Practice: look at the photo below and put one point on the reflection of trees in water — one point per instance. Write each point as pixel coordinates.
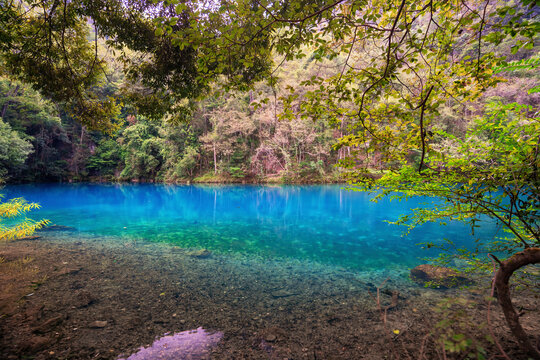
(322, 223)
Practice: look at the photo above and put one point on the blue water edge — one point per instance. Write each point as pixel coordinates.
(326, 224)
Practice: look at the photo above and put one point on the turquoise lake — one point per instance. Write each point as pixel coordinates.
(325, 224)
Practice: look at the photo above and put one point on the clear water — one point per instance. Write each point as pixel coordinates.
(325, 223)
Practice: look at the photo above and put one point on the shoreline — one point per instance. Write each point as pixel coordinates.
(208, 179)
(185, 182)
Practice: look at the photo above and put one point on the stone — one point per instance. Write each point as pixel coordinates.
(33, 237)
(273, 334)
(36, 343)
(98, 324)
(282, 293)
(200, 254)
(69, 271)
(48, 325)
(34, 313)
(437, 276)
(83, 298)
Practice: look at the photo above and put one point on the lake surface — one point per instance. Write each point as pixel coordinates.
(325, 224)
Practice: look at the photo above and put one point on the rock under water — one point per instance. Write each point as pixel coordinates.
(437, 276)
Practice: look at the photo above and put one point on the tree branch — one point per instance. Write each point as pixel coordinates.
(502, 277)
(422, 131)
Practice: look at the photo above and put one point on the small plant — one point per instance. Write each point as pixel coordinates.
(236, 172)
(40, 281)
(457, 329)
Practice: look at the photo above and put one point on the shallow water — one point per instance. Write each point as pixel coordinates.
(325, 224)
(293, 272)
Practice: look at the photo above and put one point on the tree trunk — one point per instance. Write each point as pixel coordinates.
(215, 160)
(506, 269)
(82, 135)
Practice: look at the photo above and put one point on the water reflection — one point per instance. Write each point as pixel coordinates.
(326, 224)
(190, 344)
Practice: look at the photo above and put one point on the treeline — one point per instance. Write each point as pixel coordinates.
(227, 137)
(232, 137)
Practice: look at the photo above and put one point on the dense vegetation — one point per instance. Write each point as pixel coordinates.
(235, 136)
(436, 98)
(229, 137)
(142, 89)
(226, 139)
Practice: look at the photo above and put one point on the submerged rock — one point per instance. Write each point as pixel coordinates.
(98, 324)
(200, 254)
(83, 298)
(36, 343)
(48, 325)
(33, 237)
(282, 293)
(437, 276)
(69, 270)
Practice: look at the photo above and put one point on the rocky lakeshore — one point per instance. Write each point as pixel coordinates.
(69, 296)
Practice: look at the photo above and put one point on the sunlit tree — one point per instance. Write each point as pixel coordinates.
(13, 222)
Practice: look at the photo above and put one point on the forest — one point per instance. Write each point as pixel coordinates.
(235, 136)
(225, 139)
(398, 98)
(227, 136)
